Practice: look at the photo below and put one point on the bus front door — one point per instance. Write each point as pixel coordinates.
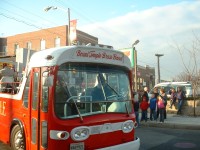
(38, 115)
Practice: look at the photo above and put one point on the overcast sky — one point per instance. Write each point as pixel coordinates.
(158, 24)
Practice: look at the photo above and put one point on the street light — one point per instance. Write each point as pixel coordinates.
(135, 62)
(135, 43)
(68, 12)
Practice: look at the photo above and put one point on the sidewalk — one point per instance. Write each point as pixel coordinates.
(175, 121)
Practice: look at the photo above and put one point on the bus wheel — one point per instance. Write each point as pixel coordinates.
(17, 139)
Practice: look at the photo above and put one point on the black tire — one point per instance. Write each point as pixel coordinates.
(17, 139)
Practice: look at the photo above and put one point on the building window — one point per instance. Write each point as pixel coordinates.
(28, 45)
(57, 42)
(43, 44)
(16, 46)
(4, 51)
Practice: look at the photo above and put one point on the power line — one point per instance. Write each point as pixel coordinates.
(27, 11)
(18, 20)
(80, 12)
(29, 24)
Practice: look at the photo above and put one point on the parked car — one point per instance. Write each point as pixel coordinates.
(185, 86)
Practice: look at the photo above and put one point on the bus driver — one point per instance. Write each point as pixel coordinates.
(100, 92)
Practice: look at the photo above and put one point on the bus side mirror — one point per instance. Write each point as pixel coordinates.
(47, 80)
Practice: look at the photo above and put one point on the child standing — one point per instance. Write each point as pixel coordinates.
(161, 108)
(144, 106)
(153, 103)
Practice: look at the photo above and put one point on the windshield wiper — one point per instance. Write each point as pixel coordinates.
(81, 118)
(77, 109)
(104, 83)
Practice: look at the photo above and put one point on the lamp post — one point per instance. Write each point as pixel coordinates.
(158, 60)
(135, 62)
(68, 12)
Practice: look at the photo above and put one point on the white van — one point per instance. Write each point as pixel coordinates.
(167, 86)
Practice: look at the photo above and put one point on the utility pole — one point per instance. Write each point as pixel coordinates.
(68, 34)
(158, 61)
(68, 40)
(135, 63)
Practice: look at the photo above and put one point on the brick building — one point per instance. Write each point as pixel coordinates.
(145, 77)
(45, 38)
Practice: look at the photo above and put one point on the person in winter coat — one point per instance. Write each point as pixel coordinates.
(173, 97)
(136, 107)
(153, 103)
(163, 95)
(161, 108)
(145, 94)
(144, 105)
(180, 97)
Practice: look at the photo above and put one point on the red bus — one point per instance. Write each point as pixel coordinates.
(71, 98)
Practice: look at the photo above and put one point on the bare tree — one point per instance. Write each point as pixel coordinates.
(181, 77)
(191, 65)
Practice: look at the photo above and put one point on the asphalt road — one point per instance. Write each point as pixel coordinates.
(161, 139)
(4, 146)
(168, 139)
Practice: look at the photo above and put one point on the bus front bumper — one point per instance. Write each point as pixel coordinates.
(133, 145)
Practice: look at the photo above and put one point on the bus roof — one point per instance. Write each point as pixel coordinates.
(90, 54)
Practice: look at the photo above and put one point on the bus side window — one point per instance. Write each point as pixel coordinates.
(35, 91)
(26, 92)
(45, 95)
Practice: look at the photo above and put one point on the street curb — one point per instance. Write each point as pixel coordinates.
(170, 125)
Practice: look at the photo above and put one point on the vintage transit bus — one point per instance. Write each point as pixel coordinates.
(71, 98)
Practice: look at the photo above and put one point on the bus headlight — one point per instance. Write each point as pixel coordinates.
(59, 135)
(80, 133)
(127, 126)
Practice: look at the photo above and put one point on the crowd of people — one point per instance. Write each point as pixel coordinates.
(156, 104)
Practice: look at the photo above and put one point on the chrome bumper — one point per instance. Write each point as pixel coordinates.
(133, 145)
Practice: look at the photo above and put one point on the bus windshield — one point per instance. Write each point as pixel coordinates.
(87, 89)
